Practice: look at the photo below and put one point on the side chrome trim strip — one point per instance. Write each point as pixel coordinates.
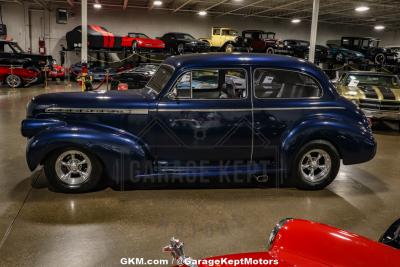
(97, 110)
(247, 109)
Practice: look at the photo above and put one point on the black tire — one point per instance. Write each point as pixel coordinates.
(180, 49)
(299, 176)
(57, 184)
(13, 81)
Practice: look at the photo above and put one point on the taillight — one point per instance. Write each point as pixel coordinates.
(123, 87)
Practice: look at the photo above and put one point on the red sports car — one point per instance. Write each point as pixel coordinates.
(57, 71)
(301, 243)
(141, 43)
(18, 76)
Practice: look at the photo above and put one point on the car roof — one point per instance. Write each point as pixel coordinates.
(240, 59)
(364, 38)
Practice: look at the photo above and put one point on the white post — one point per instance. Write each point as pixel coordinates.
(84, 49)
(314, 29)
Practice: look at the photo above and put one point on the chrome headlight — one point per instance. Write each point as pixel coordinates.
(276, 230)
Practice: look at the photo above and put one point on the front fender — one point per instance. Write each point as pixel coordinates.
(355, 143)
(113, 147)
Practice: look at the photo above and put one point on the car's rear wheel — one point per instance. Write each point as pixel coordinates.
(380, 59)
(73, 170)
(13, 81)
(316, 165)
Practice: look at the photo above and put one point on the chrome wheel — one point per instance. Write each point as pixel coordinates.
(13, 81)
(315, 165)
(229, 48)
(73, 167)
(380, 59)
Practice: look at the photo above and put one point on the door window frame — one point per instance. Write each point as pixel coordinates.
(248, 84)
(280, 98)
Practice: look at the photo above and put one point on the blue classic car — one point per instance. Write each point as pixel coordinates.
(204, 115)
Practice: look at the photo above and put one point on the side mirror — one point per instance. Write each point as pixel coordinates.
(392, 235)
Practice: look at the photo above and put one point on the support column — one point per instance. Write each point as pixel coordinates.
(314, 29)
(84, 50)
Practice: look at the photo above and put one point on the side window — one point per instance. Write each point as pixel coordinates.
(345, 42)
(216, 31)
(272, 83)
(212, 84)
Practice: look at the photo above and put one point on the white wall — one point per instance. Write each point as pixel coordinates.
(156, 23)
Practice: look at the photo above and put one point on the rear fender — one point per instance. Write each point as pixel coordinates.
(114, 148)
(354, 143)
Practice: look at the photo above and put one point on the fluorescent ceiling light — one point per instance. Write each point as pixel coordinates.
(379, 27)
(157, 3)
(296, 20)
(362, 8)
(97, 5)
(202, 13)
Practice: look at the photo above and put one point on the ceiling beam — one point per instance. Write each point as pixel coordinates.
(182, 6)
(216, 4)
(277, 7)
(239, 8)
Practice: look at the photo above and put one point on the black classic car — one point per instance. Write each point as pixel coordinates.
(369, 47)
(178, 43)
(301, 49)
(12, 54)
(135, 78)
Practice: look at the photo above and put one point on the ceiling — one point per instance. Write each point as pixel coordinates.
(383, 12)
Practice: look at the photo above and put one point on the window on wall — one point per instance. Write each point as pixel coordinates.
(273, 83)
(212, 84)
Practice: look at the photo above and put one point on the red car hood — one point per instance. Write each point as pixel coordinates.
(304, 243)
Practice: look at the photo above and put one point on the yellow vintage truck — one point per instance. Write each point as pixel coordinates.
(226, 40)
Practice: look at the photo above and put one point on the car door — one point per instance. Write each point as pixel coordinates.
(281, 99)
(206, 118)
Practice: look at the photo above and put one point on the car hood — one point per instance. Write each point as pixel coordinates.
(91, 102)
(370, 92)
(155, 42)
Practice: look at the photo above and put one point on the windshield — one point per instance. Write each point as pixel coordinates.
(160, 78)
(185, 36)
(138, 35)
(375, 80)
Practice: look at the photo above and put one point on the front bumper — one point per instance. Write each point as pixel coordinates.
(381, 114)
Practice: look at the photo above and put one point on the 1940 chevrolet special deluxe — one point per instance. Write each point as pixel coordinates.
(201, 115)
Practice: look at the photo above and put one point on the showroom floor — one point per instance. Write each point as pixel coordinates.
(41, 228)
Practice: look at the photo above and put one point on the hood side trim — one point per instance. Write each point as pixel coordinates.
(97, 110)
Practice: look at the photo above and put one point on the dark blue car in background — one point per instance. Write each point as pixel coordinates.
(201, 115)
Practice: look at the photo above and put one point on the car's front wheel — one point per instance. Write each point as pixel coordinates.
(73, 170)
(380, 59)
(316, 165)
(270, 51)
(13, 81)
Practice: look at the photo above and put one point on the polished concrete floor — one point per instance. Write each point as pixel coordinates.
(41, 228)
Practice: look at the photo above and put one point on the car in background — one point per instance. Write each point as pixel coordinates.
(143, 44)
(376, 93)
(340, 55)
(395, 49)
(99, 38)
(135, 78)
(178, 43)
(96, 71)
(301, 49)
(56, 72)
(264, 42)
(188, 107)
(369, 47)
(11, 54)
(225, 40)
(303, 243)
(18, 76)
